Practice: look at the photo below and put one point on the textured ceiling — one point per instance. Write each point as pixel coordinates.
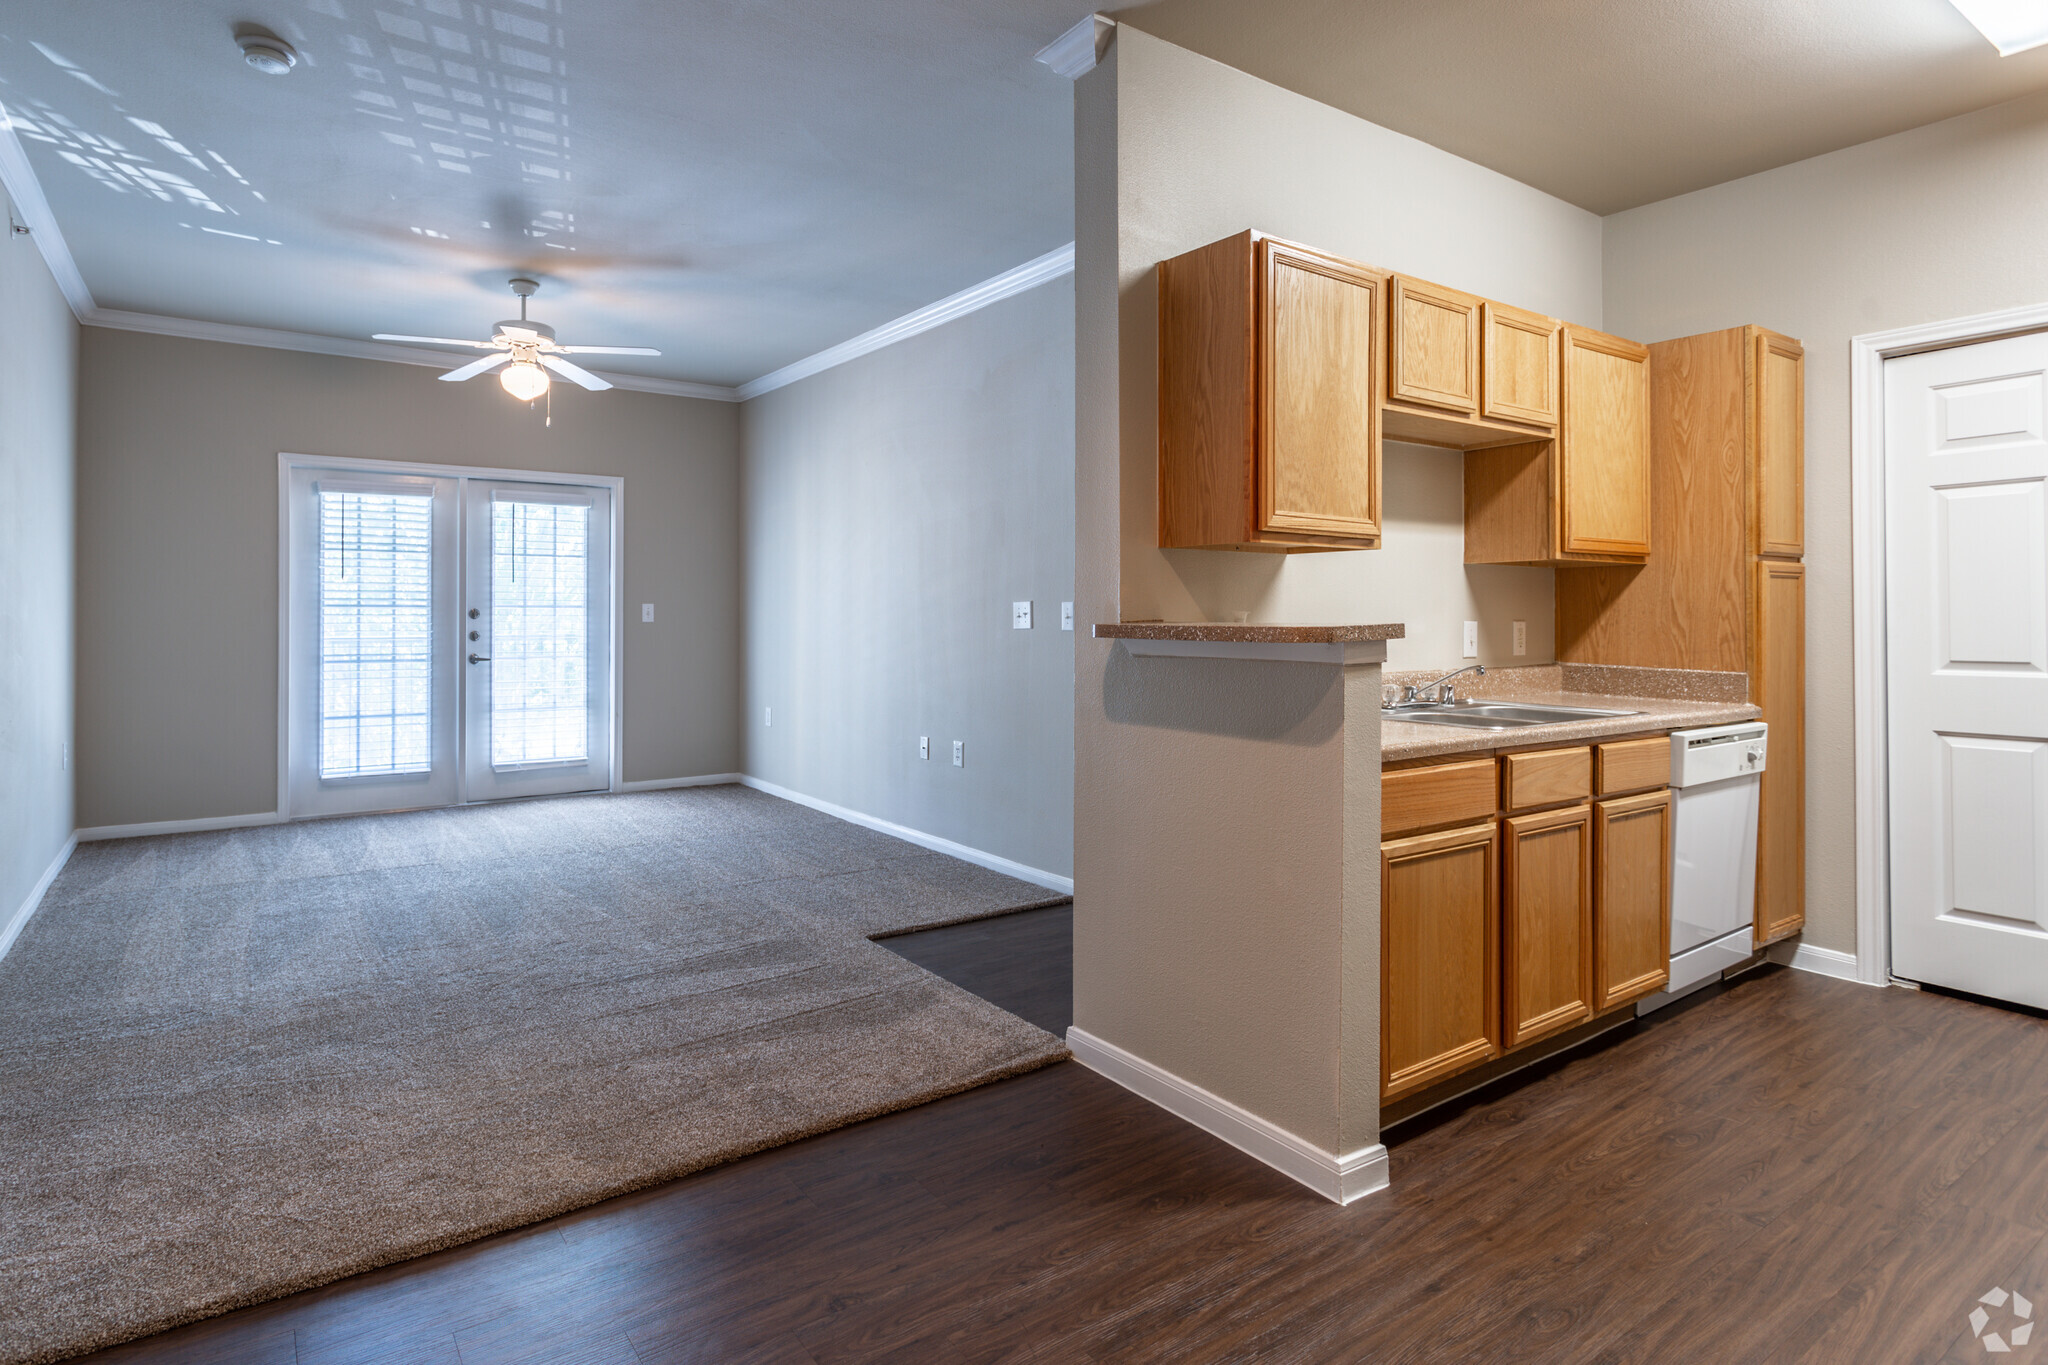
(1613, 103)
(737, 184)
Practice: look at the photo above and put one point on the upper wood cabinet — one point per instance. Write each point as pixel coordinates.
(1433, 346)
(1270, 373)
(1520, 370)
(1777, 415)
(1604, 462)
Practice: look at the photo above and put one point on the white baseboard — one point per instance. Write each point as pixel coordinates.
(199, 826)
(657, 784)
(1820, 961)
(1340, 1179)
(1009, 868)
(18, 921)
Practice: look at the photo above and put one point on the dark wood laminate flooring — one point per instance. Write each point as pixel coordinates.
(1794, 1170)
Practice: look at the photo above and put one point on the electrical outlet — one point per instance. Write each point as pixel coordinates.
(1020, 616)
(959, 753)
(1521, 637)
(646, 612)
(924, 747)
(64, 756)
(1066, 616)
(767, 715)
(1471, 639)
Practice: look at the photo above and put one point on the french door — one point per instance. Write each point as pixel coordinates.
(447, 637)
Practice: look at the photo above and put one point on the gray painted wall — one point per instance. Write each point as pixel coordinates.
(1940, 222)
(177, 552)
(895, 507)
(38, 400)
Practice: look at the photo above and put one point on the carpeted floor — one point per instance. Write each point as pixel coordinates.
(244, 1063)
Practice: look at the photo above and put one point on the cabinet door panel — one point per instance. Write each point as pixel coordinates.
(1546, 923)
(1778, 685)
(1780, 443)
(1518, 366)
(1319, 430)
(1604, 469)
(1439, 946)
(1435, 346)
(1631, 897)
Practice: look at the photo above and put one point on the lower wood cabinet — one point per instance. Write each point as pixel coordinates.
(1778, 685)
(1546, 922)
(1631, 897)
(1439, 955)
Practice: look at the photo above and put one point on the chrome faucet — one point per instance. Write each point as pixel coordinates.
(1449, 695)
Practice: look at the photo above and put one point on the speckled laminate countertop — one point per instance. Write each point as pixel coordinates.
(1240, 633)
(1405, 741)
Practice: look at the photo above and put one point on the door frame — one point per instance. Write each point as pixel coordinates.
(1870, 601)
(288, 461)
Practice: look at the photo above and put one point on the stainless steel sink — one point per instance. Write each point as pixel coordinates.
(1480, 714)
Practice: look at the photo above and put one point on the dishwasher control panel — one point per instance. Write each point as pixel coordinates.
(1718, 752)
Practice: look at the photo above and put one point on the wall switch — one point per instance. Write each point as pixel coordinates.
(767, 715)
(1020, 616)
(924, 747)
(64, 756)
(646, 612)
(1471, 639)
(1521, 637)
(1066, 616)
(959, 753)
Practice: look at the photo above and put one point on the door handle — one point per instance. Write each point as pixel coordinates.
(479, 658)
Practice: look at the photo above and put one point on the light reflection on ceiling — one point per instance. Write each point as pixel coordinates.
(738, 185)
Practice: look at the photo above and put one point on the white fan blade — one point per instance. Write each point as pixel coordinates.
(605, 350)
(476, 367)
(435, 341)
(574, 372)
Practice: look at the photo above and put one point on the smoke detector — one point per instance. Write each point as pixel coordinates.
(271, 55)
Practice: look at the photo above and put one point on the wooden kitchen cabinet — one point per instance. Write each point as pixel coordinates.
(1519, 366)
(1270, 388)
(1777, 410)
(1631, 897)
(1439, 956)
(1433, 346)
(1583, 498)
(1778, 685)
(1546, 923)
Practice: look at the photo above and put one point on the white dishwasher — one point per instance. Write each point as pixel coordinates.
(1715, 776)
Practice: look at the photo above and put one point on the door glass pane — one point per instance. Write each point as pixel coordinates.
(540, 633)
(376, 633)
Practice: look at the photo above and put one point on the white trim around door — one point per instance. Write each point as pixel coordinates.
(1867, 355)
(288, 462)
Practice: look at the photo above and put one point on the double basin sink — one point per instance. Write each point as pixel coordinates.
(1482, 714)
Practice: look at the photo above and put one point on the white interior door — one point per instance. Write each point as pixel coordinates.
(1966, 527)
(370, 635)
(537, 639)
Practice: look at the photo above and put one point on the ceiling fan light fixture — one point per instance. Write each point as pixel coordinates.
(524, 380)
(271, 55)
(2011, 25)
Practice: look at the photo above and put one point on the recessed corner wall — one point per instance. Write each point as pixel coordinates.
(177, 552)
(38, 394)
(896, 506)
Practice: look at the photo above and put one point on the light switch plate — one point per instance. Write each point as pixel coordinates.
(959, 753)
(646, 612)
(1471, 639)
(767, 715)
(1066, 616)
(924, 746)
(1020, 616)
(1521, 637)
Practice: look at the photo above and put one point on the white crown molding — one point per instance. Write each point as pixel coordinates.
(1074, 53)
(994, 862)
(1051, 266)
(19, 920)
(27, 193)
(1340, 1179)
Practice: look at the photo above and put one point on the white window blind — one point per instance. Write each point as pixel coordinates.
(540, 631)
(376, 632)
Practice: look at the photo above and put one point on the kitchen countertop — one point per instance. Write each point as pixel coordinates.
(1404, 741)
(1242, 633)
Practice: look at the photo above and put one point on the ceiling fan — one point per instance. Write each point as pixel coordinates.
(528, 350)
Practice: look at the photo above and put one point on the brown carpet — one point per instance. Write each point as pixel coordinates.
(245, 1063)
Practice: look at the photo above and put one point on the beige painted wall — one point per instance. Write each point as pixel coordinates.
(1217, 932)
(1940, 222)
(177, 552)
(38, 396)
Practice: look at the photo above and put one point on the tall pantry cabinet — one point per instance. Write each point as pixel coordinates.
(1725, 588)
